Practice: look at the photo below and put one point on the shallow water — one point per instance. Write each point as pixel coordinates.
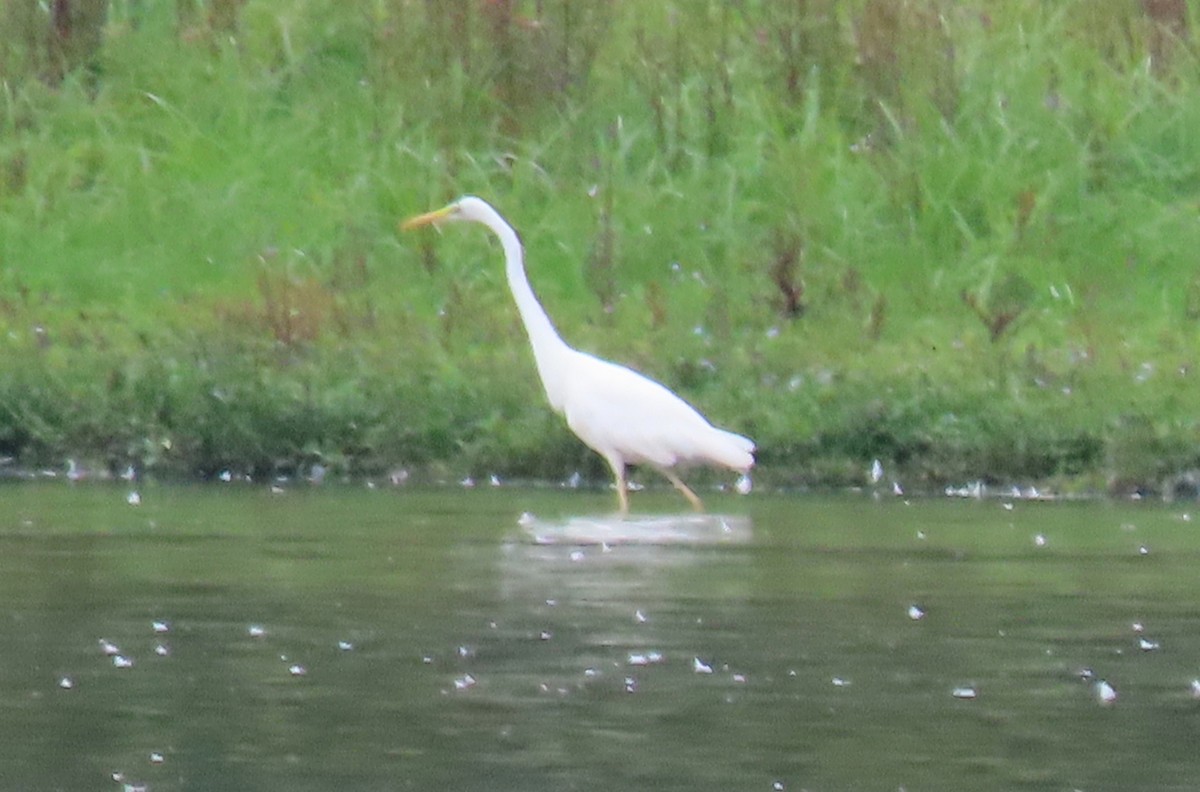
(340, 638)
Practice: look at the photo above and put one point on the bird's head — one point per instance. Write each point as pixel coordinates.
(466, 208)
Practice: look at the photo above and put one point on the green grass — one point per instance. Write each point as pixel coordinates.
(956, 237)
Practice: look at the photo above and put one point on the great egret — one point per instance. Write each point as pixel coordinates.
(621, 415)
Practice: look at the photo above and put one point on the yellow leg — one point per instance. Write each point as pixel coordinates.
(618, 469)
(622, 497)
(697, 504)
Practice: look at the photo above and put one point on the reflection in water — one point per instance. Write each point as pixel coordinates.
(590, 656)
(602, 612)
(339, 639)
(688, 529)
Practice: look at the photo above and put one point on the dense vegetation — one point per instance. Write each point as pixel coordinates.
(958, 237)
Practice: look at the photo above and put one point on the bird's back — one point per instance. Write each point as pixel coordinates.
(616, 410)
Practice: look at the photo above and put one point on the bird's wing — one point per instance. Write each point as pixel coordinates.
(615, 410)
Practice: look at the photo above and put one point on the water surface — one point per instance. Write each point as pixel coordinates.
(345, 638)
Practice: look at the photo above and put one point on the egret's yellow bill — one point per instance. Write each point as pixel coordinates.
(426, 219)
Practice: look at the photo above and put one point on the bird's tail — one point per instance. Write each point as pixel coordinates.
(734, 451)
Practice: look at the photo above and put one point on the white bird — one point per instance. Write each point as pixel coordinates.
(626, 418)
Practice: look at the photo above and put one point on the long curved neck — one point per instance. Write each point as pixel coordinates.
(548, 347)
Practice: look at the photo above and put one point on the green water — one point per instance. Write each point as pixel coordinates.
(474, 659)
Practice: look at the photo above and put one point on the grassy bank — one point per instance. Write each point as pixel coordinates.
(955, 237)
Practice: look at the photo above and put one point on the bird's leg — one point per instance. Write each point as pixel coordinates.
(693, 499)
(618, 469)
(622, 497)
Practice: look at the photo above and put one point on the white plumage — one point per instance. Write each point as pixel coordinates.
(622, 415)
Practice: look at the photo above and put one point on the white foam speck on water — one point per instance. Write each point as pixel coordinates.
(1106, 694)
(644, 659)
